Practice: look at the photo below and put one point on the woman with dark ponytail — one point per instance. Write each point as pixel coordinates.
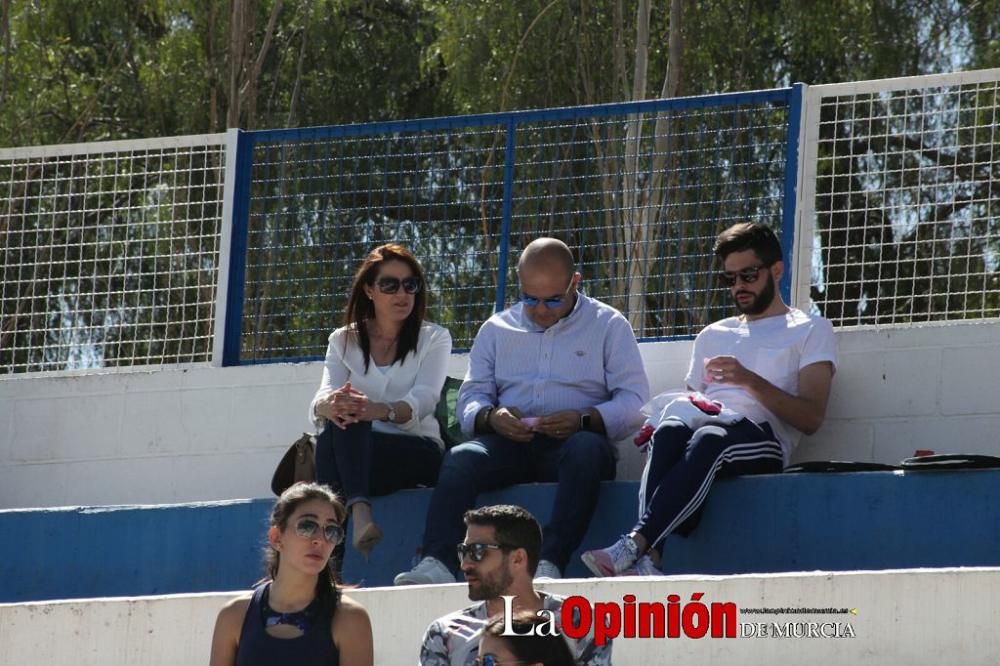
(297, 614)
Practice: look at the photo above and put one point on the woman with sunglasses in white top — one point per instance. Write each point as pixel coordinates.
(381, 383)
(297, 614)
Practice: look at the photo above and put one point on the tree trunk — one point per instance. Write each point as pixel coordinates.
(5, 34)
(237, 49)
(646, 205)
(630, 170)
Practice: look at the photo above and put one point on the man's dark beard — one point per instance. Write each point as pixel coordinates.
(760, 302)
(491, 589)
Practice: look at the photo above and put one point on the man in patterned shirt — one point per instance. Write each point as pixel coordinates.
(553, 382)
(499, 557)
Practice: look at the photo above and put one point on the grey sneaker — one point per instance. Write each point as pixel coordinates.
(643, 567)
(429, 571)
(613, 560)
(547, 571)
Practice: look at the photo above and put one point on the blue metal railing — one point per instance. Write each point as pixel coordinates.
(311, 202)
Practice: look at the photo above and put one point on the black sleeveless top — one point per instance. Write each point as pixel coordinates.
(259, 648)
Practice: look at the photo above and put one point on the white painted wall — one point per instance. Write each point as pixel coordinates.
(903, 617)
(203, 433)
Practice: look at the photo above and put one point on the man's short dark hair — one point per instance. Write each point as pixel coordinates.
(749, 236)
(515, 528)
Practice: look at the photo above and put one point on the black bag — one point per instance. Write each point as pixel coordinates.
(298, 464)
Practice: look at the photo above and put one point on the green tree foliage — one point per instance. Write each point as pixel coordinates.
(75, 70)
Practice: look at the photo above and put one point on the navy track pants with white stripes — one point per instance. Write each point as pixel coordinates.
(683, 463)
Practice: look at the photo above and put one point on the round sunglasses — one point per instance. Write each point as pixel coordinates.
(307, 529)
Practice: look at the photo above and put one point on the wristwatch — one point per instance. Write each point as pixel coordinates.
(391, 414)
(585, 419)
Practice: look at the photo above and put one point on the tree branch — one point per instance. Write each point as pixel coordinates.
(517, 54)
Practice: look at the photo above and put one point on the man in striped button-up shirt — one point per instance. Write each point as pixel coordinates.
(552, 383)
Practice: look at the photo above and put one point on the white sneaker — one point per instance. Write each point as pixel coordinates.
(643, 567)
(547, 571)
(613, 560)
(429, 571)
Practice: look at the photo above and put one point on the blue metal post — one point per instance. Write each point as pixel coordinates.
(238, 250)
(508, 196)
(791, 187)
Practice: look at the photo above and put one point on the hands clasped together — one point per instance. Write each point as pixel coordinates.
(345, 406)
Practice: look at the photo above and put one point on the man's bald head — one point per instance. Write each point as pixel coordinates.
(546, 254)
(547, 275)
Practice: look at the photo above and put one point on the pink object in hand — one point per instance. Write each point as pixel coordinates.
(530, 421)
(642, 438)
(710, 407)
(707, 378)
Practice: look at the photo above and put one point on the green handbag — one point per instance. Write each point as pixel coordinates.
(451, 432)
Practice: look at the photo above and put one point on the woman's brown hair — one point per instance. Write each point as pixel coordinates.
(327, 589)
(360, 308)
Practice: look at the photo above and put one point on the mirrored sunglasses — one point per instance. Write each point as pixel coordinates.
(490, 660)
(550, 303)
(307, 529)
(390, 285)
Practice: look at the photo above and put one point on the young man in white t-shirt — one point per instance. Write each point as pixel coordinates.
(759, 380)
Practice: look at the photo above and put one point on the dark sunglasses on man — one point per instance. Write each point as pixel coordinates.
(476, 551)
(747, 275)
(390, 285)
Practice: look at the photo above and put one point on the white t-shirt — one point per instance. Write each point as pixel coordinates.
(775, 348)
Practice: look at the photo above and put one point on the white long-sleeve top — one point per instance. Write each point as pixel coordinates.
(417, 381)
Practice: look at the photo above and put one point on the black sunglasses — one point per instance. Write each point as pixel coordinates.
(390, 285)
(747, 275)
(307, 529)
(476, 551)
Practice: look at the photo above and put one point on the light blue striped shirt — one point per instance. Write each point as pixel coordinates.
(587, 359)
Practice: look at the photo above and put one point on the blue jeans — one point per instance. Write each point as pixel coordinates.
(683, 464)
(491, 462)
(359, 462)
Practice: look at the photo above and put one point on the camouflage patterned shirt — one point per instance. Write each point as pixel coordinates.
(453, 640)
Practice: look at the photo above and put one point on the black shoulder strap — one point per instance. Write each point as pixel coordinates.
(839, 466)
(945, 461)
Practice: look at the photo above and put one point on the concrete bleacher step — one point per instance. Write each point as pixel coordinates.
(909, 617)
(777, 523)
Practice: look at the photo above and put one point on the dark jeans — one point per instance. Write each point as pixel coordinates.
(360, 463)
(683, 464)
(491, 462)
